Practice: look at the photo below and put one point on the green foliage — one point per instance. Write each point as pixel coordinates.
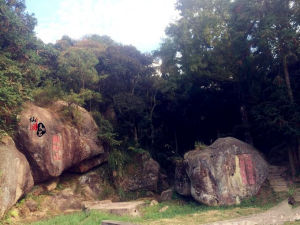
(177, 209)
(106, 131)
(107, 192)
(117, 160)
(48, 94)
(292, 190)
(218, 57)
(138, 150)
(200, 145)
(76, 69)
(19, 70)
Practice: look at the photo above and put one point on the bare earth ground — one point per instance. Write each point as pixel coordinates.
(203, 217)
(277, 215)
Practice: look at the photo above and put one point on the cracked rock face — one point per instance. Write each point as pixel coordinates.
(225, 172)
(57, 145)
(144, 175)
(15, 175)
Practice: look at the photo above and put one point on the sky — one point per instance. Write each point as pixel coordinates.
(140, 23)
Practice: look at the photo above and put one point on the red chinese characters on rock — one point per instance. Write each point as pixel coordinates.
(56, 147)
(33, 124)
(246, 169)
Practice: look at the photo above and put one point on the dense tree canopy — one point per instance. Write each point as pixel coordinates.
(228, 68)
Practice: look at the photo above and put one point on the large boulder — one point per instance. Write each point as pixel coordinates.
(15, 175)
(225, 172)
(53, 143)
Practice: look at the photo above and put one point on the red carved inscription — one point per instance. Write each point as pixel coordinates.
(56, 147)
(246, 169)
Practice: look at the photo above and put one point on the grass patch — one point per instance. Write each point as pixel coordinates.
(179, 212)
(297, 222)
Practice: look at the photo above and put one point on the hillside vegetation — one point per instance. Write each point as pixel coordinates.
(228, 68)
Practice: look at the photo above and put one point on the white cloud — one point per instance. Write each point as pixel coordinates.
(137, 22)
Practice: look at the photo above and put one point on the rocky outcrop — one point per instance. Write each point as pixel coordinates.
(225, 172)
(89, 164)
(143, 174)
(53, 144)
(182, 182)
(15, 175)
(90, 185)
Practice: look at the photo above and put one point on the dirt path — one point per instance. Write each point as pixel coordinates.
(277, 215)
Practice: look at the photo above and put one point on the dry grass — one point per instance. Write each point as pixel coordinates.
(205, 217)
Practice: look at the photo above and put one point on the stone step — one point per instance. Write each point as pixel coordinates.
(277, 171)
(278, 183)
(274, 176)
(277, 167)
(297, 198)
(118, 208)
(110, 222)
(280, 189)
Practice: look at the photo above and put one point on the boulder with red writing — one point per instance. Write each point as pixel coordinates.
(53, 141)
(225, 172)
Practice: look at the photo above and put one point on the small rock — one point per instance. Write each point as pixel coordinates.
(31, 205)
(163, 182)
(110, 222)
(107, 201)
(166, 195)
(163, 209)
(37, 190)
(51, 185)
(291, 200)
(150, 194)
(153, 203)
(24, 212)
(88, 193)
(66, 193)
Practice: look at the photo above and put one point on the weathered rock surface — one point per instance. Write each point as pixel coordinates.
(144, 175)
(111, 222)
(91, 185)
(163, 182)
(278, 178)
(64, 201)
(15, 175)
(225, 172)
(166, 195)
(118, 208)
(62, 145)
(89, 164)
(182, 182)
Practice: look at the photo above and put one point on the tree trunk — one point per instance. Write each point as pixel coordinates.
(176, 141)
(136, 136)
(298, 149)
(292, 162)
(245, 121)
(293, 158)
(287, 79)
(151, 117)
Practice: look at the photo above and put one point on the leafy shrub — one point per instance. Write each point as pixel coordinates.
(117, 161)
(106, 131)
(48, 94)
